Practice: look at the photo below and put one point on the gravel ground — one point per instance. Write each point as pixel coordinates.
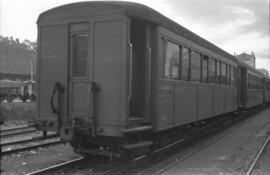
(246, 153)
(28, 161)
(230, 155)
(262, 166)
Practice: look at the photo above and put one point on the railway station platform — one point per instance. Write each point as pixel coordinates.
(230, 155)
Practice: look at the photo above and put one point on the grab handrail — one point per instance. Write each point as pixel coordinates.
(149, 69)
(57, 88)
(130, 68)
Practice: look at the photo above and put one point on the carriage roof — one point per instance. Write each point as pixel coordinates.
(252, 69)
(134, 10)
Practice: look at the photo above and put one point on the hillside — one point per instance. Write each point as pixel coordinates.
(16, 64)
(16, 57)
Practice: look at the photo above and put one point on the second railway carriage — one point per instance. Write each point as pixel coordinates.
(266, 89)
(250, 86)
(110, 73)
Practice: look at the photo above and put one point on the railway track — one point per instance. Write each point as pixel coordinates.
(18, 146)
(194, 148)
(17, 131)
(162, 158)
(9, 146)
(16, 128)
(257, 157)
(56, 167)
(39, 138)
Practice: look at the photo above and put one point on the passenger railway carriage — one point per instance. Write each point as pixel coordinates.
(251, 87)
(113, 75)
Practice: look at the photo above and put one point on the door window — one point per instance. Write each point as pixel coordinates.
(79, 55)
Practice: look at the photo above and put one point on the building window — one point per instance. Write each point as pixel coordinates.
(172, 61)
(195, 66)
(185, 63)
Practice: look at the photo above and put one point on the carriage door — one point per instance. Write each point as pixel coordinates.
(243, 86)
(140, 80)
(79, 72)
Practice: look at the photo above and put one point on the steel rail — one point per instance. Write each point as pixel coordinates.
(30, 147)
(17, 128)
(55, 167)
(30, 130)
(255, 160)
(28, 140)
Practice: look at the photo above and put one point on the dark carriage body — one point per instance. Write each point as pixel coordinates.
(110, 69)
(250, 86)
(266, 89)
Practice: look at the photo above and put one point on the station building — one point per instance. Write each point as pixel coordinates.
(249, 59)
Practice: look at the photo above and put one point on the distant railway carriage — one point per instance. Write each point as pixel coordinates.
(266, 89)
(251, 90)
(113, 75)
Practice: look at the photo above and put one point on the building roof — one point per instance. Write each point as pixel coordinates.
(81, 9)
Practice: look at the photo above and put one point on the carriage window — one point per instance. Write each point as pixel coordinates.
(249, 81)
(212, 70)
(185, 64)
(79, 55)
(172, 61)
(255, 82)
(223, 73)
(195, 66)
(205, 69)
(232, 75)
(228, 74)
(218, 81)
(248, 84)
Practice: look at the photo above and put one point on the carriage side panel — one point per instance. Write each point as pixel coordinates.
(52, 65)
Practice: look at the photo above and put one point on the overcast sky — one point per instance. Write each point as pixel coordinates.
(233, 25)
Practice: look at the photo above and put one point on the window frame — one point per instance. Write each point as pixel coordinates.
(213, 79)
(205, 57)
(200, 66)
(166, 41)
(71, 45)
(218, 72)
(189, 63)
